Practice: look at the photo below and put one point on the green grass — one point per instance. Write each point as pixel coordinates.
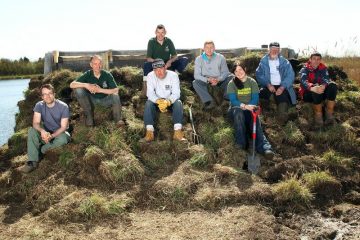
(315, 179)
(293, 135)
(200, 160)
(93, 206)
(335, 159)
(291, 191)
(66, 157)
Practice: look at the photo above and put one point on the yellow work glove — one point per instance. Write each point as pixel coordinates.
(163, 104)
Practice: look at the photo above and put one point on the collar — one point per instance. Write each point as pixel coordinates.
(203, 55)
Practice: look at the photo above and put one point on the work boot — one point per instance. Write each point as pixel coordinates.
(330, 120)
(282, 109)
(28, 167)
(179, 135)
(318, 116)
(149, 136)
(268, 154)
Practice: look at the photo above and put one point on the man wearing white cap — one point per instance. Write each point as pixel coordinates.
(276, 77)
(163, 92)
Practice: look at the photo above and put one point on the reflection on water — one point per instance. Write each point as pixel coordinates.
(11, 91)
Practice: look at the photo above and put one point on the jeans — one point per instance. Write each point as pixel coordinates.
(178, 65)
(151, 110)
(202, 91)
(87, 102)
(329, 94)
(243, 125)
(35, 145)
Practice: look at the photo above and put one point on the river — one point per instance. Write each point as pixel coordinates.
(11, 92)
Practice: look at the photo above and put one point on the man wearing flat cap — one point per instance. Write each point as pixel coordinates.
(276, 77)
(163, 92)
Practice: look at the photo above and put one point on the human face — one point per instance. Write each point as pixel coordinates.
(274, 52)
(209, 49)
(315, 61)
(160, 34)
(47, 96)
(160, 72)
(240, 73)
(96, 65)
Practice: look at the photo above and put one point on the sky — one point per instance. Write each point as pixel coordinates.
(30, 28)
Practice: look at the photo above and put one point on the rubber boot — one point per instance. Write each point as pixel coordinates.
(318, 116)
(283, 112)
(179, 135)
(149, 136)
(330, 120)
(265, 105)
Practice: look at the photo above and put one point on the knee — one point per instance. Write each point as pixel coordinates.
(177, 104)
(115, 99)
(238, 115)
(80, 92)
(332, 87)
(62, 139)
(149, 104)
(32, 132)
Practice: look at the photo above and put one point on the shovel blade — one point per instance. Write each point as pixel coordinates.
(253, 164)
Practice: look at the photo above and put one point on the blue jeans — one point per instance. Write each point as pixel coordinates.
(87, 102)
(243, 123)
(179, 65)
(151, 110)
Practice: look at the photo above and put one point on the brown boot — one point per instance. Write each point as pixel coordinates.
(149, 136)
(318, 116)
(330, 120)
(179, 135)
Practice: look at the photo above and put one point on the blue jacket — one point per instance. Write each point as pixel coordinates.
(286, 73)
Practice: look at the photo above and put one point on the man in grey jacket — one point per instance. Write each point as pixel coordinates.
(210, 70)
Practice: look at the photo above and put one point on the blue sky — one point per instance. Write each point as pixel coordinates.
(33, 27)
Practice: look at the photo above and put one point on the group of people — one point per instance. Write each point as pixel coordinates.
(274, 77)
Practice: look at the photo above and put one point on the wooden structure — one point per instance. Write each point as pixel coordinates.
(79, 61)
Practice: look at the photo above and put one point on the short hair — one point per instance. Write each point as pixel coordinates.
(95, 56)
(317, 54)
(209, 42)
(160, 26)
(47, 86)
(240, 64)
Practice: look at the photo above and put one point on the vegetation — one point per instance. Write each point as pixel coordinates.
(21, 67)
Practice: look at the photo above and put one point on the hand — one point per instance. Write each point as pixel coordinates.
(168, 64)
(250, 107)
(163, 104)
(213, 81)
(279, 91)
(271, 88)
(45, 136)
(318, 89)
(93, 88)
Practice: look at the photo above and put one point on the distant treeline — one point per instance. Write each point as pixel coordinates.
(23, 66)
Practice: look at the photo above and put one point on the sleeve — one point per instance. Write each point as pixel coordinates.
(66, 112)
(289, 75)
(326, 77)
(149, 52)
(83, 78)
(254, 93)
(198, 70)
(224, 70)
(304, 79)
(231, 92)
(150, 89)
(175, 93)
(260, 75)
(110, 81)
(172, 48)
(37, 107)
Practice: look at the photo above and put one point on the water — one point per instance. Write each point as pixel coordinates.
(11, 91)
